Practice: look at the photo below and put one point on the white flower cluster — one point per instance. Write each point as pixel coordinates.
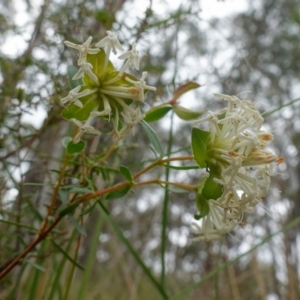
(112, 93)
(236, 148)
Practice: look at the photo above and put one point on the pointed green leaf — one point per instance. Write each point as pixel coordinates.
(152, 137)
(81, 190)
(202, 206)
(119, 193)
(35, 265)
(126, 173)
(67, 256)
(186, 114)
(18, 224)
(71, 70)
(77, 226)
(211, 189)
(200, 139)
(64, 196)
(184, 89)
(88, 210)
(75, 148)
(66, 140)
(155, 114)
(68, 210)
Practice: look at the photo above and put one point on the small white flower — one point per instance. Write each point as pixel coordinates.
(110, 42)
(83, 49)
(85, 68)
(213, 119)
(132, 59)
(141, 86)
(85, 128)
(73, 96)
(132, 118)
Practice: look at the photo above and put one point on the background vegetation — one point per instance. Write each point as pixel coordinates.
(139, 246)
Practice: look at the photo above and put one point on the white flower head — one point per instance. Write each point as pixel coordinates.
(235, 149)
(141, 86)
(117, 96)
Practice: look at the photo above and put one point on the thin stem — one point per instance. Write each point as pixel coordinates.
(161, 162)
(133, 184)
(180, 185)
(165, 208)
(110, 150)
(55, 194)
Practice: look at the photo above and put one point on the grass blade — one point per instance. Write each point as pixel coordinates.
(120, 235)
(91, 257)
(66, 255)
(268, 113)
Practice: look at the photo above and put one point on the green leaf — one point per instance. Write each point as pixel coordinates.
(152, 137)
(77, 226)
(35, 265)
(18, 224)
(118, 193)
(68, 210)
(64, 195)
(81, 190)
(66, 140)
(203, 207)
(67, 256)
(211, 189)
(184, 89)
(36, 212)
(126, 173)
(200, 139)
(88, 210)
(75, 148)
(157, 113)
(186, 114)
(71, 70)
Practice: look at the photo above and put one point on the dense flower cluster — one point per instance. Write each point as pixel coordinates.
(105, 91)
(236, 150)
